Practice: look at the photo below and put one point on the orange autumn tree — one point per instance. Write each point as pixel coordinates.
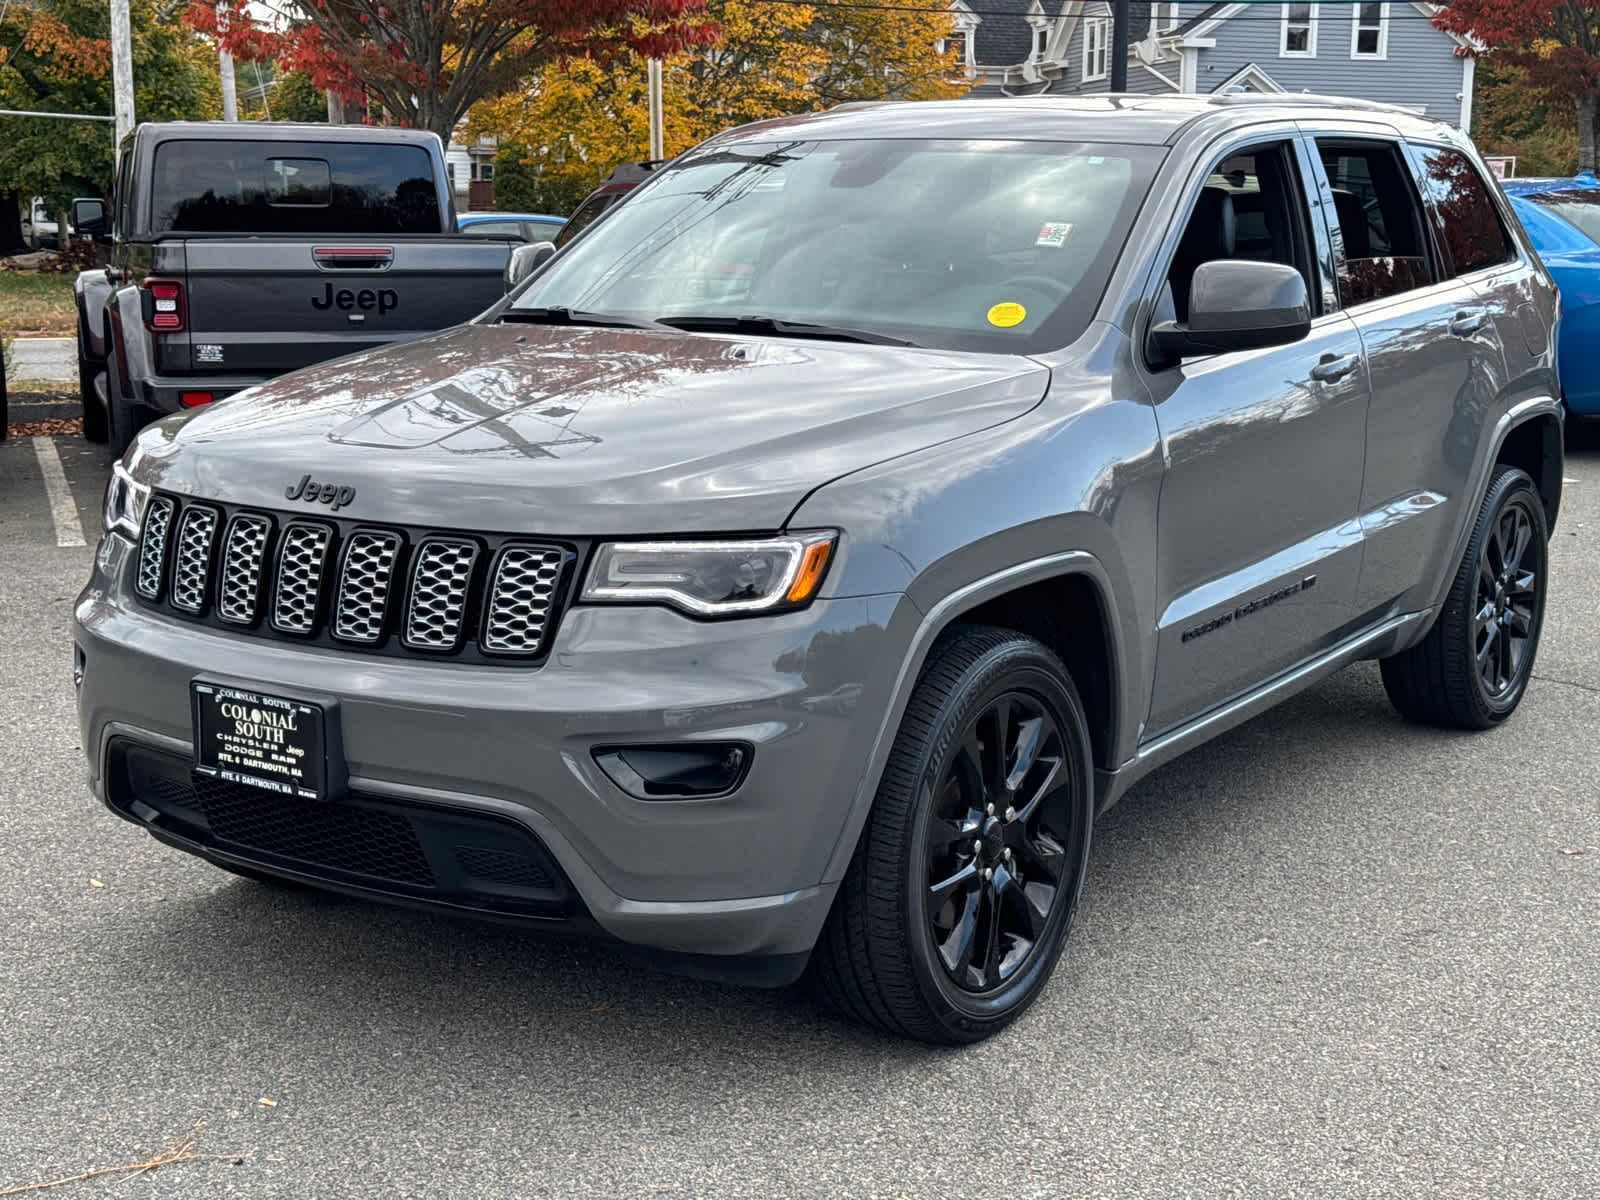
(425, 62)
(1555, 42)
(567, 126)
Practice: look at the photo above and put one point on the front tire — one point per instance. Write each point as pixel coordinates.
(963, 887)
(1472, 669)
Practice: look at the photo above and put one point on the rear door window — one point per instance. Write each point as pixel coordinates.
(1465, 222)
(236, 186)
(1381, 246)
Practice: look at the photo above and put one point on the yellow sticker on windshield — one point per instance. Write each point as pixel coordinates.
(1008, 314)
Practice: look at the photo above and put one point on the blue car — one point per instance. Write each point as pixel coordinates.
(1562, 217)
(529, 227)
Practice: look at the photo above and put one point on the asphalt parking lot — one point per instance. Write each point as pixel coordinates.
(1328, 954)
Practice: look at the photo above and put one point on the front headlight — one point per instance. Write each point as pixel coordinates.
(713, 579)
(125, 502)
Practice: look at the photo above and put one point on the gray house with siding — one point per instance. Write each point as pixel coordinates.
(1388, 52)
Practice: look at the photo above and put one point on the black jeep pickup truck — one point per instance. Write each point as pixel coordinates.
(241, 251)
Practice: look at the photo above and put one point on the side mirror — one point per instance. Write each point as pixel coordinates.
(89, 217)
(525, 260)
(1236, 304)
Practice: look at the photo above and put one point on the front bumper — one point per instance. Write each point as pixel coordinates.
(741, 874)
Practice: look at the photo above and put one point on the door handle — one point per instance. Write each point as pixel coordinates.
(1466, 324)
(1333, 367)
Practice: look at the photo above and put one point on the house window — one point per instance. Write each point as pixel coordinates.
(1096, 35)
(1040, 36)
(1299, 31)
(1370, 36)
(959, 43)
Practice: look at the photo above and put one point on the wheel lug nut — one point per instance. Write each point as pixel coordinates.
(1006, 854)
(977, 846)
(988, 874)
(990, 810)
(1011, 813)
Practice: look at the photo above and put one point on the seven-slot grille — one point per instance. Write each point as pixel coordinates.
(343, 584)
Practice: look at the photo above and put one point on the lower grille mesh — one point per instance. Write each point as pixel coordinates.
(359, 840)
(418, 852)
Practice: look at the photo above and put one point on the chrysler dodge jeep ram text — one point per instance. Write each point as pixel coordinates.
(790, 569)
(241, 251)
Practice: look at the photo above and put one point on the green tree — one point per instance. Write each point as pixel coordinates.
(56, 58)
(296, 98)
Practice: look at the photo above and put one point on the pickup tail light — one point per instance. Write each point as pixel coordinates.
(194, 399)
(163, 305)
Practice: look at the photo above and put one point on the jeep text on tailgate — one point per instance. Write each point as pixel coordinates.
(239, 252)
(790, 570)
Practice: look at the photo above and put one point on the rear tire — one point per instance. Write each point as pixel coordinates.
(962, 889)
(95, 426)
(124, 417)
(1472, 669)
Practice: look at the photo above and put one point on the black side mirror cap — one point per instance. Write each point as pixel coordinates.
(1236, 304)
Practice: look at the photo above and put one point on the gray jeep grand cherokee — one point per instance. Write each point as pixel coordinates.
(794, 566)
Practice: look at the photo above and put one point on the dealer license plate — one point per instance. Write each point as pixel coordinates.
(271, 742)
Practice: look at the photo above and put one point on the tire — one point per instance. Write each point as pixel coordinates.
(1472, 669)
(95, 425)
(124, 418)
(914, 913)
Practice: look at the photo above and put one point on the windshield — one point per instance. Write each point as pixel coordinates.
(1580, 208)
(993, 246)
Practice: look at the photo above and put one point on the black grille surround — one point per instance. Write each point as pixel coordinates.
(284, 576)
(402, 850)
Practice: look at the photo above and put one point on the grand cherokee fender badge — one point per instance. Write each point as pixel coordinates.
(335, 494)
(1250, 607)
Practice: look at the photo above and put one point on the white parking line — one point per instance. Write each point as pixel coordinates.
(63, 511)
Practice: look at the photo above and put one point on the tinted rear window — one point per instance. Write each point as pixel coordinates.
(227, 186)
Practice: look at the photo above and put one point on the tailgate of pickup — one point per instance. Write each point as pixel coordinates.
(272, 304)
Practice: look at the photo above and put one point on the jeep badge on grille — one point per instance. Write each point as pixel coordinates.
(311, 492)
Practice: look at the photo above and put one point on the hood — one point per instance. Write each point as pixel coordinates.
(581, 431)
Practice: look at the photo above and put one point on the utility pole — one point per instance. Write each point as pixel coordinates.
(657, 148)
(230, 96)
(121, 68)
(1119, 45)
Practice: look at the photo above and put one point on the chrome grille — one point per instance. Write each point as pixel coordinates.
(520, 596)
(439, 577)
(341, 584)
(191, 564)
(364, 585)
(242, 552)
(302, 555)
(153, 547)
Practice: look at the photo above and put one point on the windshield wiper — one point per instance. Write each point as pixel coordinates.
(711, 323)
(560, 315)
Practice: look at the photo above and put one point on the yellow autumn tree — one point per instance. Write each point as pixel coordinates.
(563, 132)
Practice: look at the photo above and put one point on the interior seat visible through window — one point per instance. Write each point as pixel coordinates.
(1250, 208)
(1385, 251)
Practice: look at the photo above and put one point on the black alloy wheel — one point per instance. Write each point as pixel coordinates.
(1473, 667)
(963, 886)
(1508, 600)
(995, 849)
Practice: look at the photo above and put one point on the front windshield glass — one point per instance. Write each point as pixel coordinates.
(956, 244)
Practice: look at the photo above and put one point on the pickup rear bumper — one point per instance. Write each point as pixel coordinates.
(165, 393)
